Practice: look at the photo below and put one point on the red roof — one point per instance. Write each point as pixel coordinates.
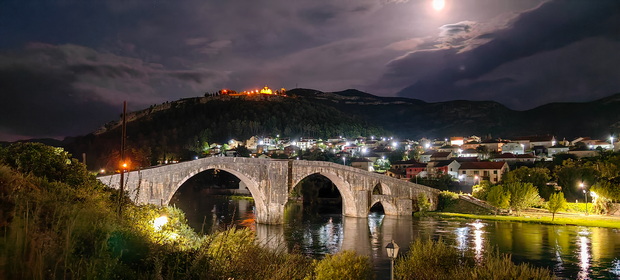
(482, 165)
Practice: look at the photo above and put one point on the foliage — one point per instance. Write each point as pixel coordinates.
(396, 155)
(570, 174)
(382, 164)
(481, 190)
(522, 195)
(243, 151)
(446, 199)
(175, 233)
(603, 206)
(180, 130)
(499, 197)
(609, 189)
(54, 229)
(344, 265)
(53, 164)
(556, 203)
(422, 202)
(442, 182)
(438, 260)
(537, 176)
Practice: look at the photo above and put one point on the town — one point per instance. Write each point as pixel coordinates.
(468, 160)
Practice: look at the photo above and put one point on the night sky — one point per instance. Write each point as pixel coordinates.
(67, 65)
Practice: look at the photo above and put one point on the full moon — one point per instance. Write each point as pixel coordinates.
(438, 5)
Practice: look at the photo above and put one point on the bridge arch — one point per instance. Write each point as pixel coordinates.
(349, 206)
(381, 188)
(388, 207)
(259, 199)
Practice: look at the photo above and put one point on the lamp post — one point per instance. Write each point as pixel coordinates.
(392, 253)
(585, 195)
(344, 161)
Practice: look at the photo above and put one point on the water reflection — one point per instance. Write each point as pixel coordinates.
(584, 257)
(571, 252)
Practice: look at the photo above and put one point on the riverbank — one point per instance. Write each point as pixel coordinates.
(542, 217)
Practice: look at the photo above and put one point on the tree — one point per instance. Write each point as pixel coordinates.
(498, 197)
(242, 151)
(522, 195)
(556, 203)
(539, 177)
(481, 190)
(53, 164)
(396, 155)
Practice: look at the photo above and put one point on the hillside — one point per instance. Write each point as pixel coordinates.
(174, 129)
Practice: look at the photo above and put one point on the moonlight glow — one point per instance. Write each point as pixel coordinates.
(438, 5)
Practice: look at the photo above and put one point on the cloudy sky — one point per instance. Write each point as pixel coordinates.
(67, 65)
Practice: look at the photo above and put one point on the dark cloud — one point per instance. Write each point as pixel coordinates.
(544, 32)
(56, 91)
(94, 54)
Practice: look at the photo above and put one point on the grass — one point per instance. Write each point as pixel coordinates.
(544, 218)
(241, 197)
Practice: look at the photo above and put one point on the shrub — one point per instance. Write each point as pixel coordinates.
(446, 200)
(344, 265)
(437, 260)
(423, 204)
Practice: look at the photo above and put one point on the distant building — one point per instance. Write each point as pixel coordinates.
(436, 168)
(530, 141)
(473, 172)
(362, 163)
(557, 149)
(417, 169)
(514, 148)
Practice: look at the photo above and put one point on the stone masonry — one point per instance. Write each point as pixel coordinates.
(271, 181)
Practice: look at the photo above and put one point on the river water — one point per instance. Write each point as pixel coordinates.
(571, 252)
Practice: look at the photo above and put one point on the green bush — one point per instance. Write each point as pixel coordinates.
(423, 204)
(344, 265)
(446, 200)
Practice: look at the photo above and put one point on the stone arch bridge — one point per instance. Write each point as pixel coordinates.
(271, 181)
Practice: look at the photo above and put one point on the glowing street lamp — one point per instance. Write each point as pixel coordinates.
(585, 195)
(392, 253)
(344, 161)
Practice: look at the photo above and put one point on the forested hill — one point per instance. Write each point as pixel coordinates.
(175, 128)
(412, 118)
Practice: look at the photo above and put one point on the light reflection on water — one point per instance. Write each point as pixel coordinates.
(571, 252)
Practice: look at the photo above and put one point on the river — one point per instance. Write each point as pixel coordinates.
(572, 252)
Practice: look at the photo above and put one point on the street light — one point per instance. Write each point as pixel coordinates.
(392, 253)
(585, 195)
(344, 161)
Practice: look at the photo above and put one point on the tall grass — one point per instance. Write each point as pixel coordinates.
(438, 260)
(51, 230)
